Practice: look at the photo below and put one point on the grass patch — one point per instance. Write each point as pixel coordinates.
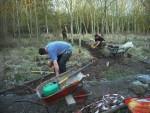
(21, 61)
(18, 60)
(79, 56)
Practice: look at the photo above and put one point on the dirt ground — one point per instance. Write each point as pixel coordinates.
(96, 83)
(108, 75)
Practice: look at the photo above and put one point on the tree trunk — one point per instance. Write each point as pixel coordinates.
(30, 19)
(36, 19)
(14, 22)
(92, 23)
(2, 25)
(46, 20)
(28, 22)
(18, 21)
(71, 18)
(112, 25)
(71, 26)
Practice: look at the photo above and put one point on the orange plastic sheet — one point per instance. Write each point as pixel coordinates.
(138, 105)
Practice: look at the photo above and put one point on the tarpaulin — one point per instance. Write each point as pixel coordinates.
(138, 105)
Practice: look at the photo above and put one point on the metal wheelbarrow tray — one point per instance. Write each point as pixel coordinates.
(68, 83)
(116, 49)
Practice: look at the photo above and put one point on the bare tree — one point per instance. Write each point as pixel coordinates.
(36, 18)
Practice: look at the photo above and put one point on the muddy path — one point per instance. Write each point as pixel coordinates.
(104, 63)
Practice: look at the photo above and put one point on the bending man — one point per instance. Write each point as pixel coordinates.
(59, 53)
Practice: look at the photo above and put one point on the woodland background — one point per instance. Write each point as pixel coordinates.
(30, 18)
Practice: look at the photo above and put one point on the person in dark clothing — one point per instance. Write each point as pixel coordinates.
(64, 33)
(59, 53)
(98, 41)
(98, 37)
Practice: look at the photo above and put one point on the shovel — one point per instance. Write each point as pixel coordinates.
(42, 72)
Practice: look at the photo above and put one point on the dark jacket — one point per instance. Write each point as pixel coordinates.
(99, 38)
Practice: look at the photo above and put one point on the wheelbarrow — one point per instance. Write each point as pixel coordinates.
(119, 50)
(57, 88)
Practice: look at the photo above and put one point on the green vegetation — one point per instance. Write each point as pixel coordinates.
(26, 25)
(31, 18)
(19, 61)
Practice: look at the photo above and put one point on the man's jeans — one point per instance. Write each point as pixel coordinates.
(62, 60)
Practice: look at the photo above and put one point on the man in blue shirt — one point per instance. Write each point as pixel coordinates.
(59, 52)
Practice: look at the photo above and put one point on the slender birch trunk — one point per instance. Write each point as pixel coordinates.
(92, 23)
(28, 22)
(112, 25)
(30, 19)
(18, 21)
(46, 18)
(36, 19)
(14, 21)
